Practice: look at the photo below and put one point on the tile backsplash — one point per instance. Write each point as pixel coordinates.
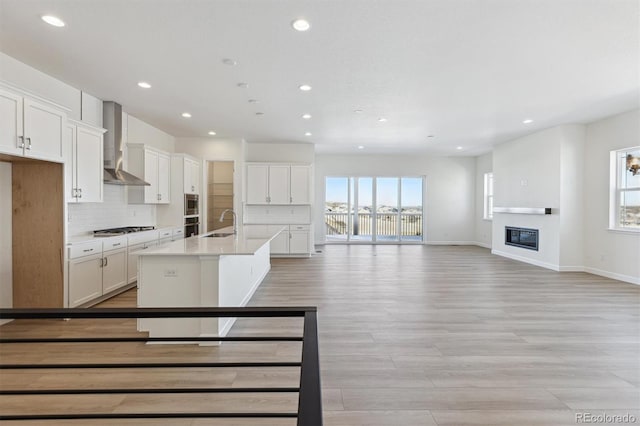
(113, 212)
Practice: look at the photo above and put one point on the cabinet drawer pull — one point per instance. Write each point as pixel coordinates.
(106, 261)
(116, 245)
(21, 140)
(87, 250)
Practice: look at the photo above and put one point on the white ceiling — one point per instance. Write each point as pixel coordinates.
(468, 72)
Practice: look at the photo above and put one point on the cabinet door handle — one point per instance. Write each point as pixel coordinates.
(102, 262)
(87, 250)
(21, 141)
(106, 261)
(79, 192)
(291, 199)
(28, 143)
(74, 192)
(116, 245)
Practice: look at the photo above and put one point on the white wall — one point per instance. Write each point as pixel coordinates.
(40, 84)
(280, 152)
(572, 191)
(608, 253)
(484, 164)
(526, 173)
(140, 132)
(450, 183)
(6, 274)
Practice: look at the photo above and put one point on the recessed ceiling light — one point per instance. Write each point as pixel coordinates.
(186, 115)
(229, 61)
(144, 85)
(253, 101)
(360, 146)
(459, 148)
(212, 133)
(301, 24)
(305, 87)
(527, 121)
(306, 116)
(53, 20)
(382, 119)
(243, 85)
(358, 111)
(307, 134)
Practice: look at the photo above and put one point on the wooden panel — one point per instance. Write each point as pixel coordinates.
(38, 234)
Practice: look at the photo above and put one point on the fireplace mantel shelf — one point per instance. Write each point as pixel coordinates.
(523, 210)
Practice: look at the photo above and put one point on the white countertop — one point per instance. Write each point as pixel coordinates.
(89, 237)
(201, 245)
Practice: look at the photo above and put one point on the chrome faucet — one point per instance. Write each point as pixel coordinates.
(235, 219)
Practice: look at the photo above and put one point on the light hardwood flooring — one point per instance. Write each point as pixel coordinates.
(409, 335)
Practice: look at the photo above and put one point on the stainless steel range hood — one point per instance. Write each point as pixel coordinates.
(113, 148)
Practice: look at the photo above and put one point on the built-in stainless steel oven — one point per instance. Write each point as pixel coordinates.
(191, 204)
(191, 226)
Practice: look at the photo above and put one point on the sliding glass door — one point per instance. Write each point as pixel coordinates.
(374, 209)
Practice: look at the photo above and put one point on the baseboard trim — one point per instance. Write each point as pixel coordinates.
(613, 275)
(527, 260)
(479, 244)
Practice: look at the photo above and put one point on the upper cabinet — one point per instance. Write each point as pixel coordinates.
(154, 166)
(191, 176)
(83, 154)
(31, 128)
(278, 184)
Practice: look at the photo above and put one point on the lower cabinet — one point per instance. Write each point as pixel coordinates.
(85, 279)
(299, 239)
(96, 268)
(293, 240)
(114, 270)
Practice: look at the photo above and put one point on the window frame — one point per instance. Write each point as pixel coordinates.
(617, 188)
(488, 196)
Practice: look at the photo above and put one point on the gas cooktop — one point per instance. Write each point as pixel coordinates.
(121, 231)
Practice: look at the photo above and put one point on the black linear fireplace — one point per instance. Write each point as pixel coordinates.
(521, 237)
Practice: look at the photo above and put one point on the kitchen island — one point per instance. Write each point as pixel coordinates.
(200, 271)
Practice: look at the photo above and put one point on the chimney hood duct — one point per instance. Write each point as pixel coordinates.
(113, 148)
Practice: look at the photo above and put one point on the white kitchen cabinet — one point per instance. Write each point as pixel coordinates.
(154, 167)
(31, 128)
(96, 268)
(83, 163)
(191, 176)
(85, 272)
(278, 184)
(299, 239)
(114, 270)
(257, 184)
(292, 240)
(300, 185)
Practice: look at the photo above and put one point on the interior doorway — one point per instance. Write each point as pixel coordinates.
(219, 193)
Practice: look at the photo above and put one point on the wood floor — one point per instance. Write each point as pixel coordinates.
(409, 335)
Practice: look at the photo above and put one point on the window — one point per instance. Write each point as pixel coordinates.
(488, 196)
(374, 209)
(625, 194)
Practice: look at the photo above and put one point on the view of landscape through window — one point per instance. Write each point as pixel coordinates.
(628, 185)
(374, 208)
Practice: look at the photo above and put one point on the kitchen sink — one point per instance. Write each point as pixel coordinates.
(219, 235)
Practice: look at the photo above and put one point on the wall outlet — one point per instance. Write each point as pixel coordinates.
(171, 273)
